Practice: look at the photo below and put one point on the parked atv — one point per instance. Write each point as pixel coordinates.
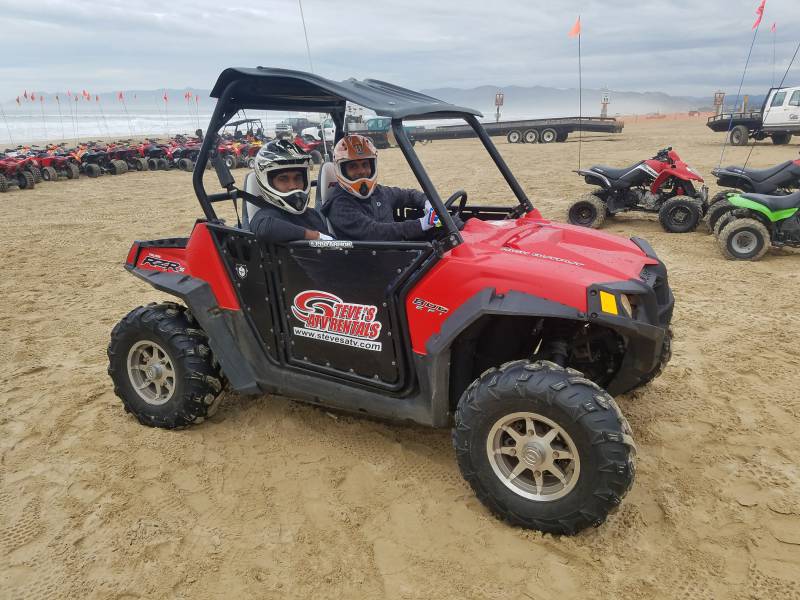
(515, 330)
(13, 175)
(779, 180)
(755, 222)
(664, 185)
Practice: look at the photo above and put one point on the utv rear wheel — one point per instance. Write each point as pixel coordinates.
(542, 447)
(49, 174)
(744, 239)
(25, 180)
(739, 135)
(162, 367)
(680, 214)
(589, 211)
(514, 137)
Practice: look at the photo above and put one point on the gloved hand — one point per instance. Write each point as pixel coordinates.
(429, 220)
(325, 237)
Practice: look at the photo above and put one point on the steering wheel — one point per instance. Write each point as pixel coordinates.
(451, 200)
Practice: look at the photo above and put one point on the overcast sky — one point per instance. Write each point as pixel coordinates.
(682, 47)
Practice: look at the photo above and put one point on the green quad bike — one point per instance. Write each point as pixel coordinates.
(754, 222)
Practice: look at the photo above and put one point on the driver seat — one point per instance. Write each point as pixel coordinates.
(248, 208)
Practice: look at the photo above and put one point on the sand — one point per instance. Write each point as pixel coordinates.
(276, 499)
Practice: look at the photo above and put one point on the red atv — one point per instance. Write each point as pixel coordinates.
(55, 163)
(310, 146)
(13, 174)
(515, 330)
(664, 185)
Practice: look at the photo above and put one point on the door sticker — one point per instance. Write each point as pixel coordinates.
(328, 318)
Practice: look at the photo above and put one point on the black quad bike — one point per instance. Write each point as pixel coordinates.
(779, 180)
(453, 331)
(663, 184)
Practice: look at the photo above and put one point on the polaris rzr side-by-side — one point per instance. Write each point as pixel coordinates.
(515, 330)
(663, 184)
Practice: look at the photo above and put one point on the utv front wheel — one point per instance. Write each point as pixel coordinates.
(680, 214)
(162, 367)
(589, 211)
(744, 239)
(543, 447)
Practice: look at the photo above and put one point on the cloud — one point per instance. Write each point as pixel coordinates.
(680, 47)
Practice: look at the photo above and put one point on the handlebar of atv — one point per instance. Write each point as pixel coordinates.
(663, 153)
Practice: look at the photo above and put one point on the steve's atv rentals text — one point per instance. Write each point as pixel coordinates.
(516, 331)
(663, 184)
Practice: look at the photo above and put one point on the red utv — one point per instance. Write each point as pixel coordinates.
(516, 331)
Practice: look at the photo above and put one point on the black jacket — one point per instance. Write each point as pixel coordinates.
(273, 225)
(373, 219)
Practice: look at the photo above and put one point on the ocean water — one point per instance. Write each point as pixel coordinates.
(27, 125)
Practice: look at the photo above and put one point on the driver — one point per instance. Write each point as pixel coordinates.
(360, 209)
(281, 172)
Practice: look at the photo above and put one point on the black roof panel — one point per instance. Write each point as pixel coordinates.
(266, 88)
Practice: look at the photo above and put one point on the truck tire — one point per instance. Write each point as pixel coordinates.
(779, 139)
(542, 447)
(744, 239)
(531, 136)
(680, 214)
(514, 137)
(739, 135)
(548, 136)
(588, 211)
(162, 367)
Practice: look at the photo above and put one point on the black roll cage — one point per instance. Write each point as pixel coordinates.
(280, 89)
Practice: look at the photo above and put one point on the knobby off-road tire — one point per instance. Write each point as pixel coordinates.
(716, 211)
(744, 239)
(92, 170)
(162, 367)
(163, 164)
(49, 174)
(578, 430)
(739, 135)
(25, 180)
(37, 174)
(726, 218)
(680, 214)
(588, 211)
(3, 184)
(72, 171)
(141, 164)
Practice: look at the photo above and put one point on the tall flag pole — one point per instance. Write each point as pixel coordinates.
(760, 15)
(772, 29)
(60, 118)
(44, 121)
(576, 32)
(100, 106)
(121, 98)
(166, 116)
(10, 137)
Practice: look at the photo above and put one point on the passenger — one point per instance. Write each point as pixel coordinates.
(282, 175)
(360, 209)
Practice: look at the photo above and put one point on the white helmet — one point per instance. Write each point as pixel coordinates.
(276, 157)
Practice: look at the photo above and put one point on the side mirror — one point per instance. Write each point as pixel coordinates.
(224, 175)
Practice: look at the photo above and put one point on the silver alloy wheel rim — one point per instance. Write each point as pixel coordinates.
(151, 372)
(744, 242)
(548, 136)
(533, 456)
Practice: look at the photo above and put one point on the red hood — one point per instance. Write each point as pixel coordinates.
(577, 252)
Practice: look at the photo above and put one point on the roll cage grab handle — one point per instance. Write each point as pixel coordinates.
(220, 116)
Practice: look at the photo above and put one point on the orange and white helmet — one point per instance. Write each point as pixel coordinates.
(356, 147)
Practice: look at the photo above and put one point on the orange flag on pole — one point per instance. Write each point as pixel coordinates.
(760, 13)
(576, 29)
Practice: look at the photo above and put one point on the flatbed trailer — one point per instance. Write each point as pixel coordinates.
(528, 131)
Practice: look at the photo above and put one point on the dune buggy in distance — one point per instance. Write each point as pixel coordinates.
(515, 331)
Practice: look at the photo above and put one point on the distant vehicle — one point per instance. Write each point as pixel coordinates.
(779, 119)
(326, 129)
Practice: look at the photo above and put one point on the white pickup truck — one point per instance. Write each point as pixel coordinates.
(779, 119)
